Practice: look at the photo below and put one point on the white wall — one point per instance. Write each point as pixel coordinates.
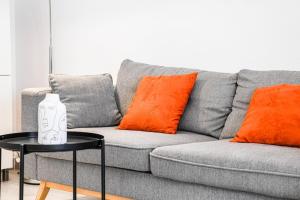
(30, 33)
(5, 38)
(31, 42)
(6, 93)
(6, 84)
(94, 36)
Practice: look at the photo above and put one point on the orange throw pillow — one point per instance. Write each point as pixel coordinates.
(159, 103)
(273, 117)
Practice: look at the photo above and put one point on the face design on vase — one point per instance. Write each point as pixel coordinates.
(51, 137)
(55, 139)
(47, 117)
(62, 122)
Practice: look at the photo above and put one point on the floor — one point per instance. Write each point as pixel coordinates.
(9, 191)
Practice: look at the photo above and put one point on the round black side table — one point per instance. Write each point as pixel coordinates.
(27, 142)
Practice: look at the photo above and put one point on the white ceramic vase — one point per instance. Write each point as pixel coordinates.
(52, 121)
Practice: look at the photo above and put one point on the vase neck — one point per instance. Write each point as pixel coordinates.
(52, 97)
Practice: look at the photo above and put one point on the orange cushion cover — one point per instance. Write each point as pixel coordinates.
(159, 103)
(273, 117)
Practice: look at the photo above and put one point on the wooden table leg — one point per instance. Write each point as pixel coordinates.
(46, 186)
(43, 191)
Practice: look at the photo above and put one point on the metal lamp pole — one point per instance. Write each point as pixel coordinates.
(50, 45)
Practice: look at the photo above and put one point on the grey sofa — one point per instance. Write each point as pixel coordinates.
(198, 163)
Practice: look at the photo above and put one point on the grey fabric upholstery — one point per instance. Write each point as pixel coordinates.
(30, 167)
(263, 169)
(209, 104)
(248, 81)
(136, 185)
(90, 100)
(129, 149)
(31, 98)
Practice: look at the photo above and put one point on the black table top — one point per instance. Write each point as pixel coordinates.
(29, 141)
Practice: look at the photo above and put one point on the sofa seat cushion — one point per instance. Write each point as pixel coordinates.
(258, 168)
(128, 149)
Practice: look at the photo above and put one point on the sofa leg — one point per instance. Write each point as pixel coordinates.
(43, 191)
(46, 186)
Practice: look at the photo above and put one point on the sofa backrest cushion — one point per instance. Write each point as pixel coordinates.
(90, 100)
(248, 81)
(208, 106)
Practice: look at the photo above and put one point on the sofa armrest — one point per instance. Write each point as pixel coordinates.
(31, 97)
